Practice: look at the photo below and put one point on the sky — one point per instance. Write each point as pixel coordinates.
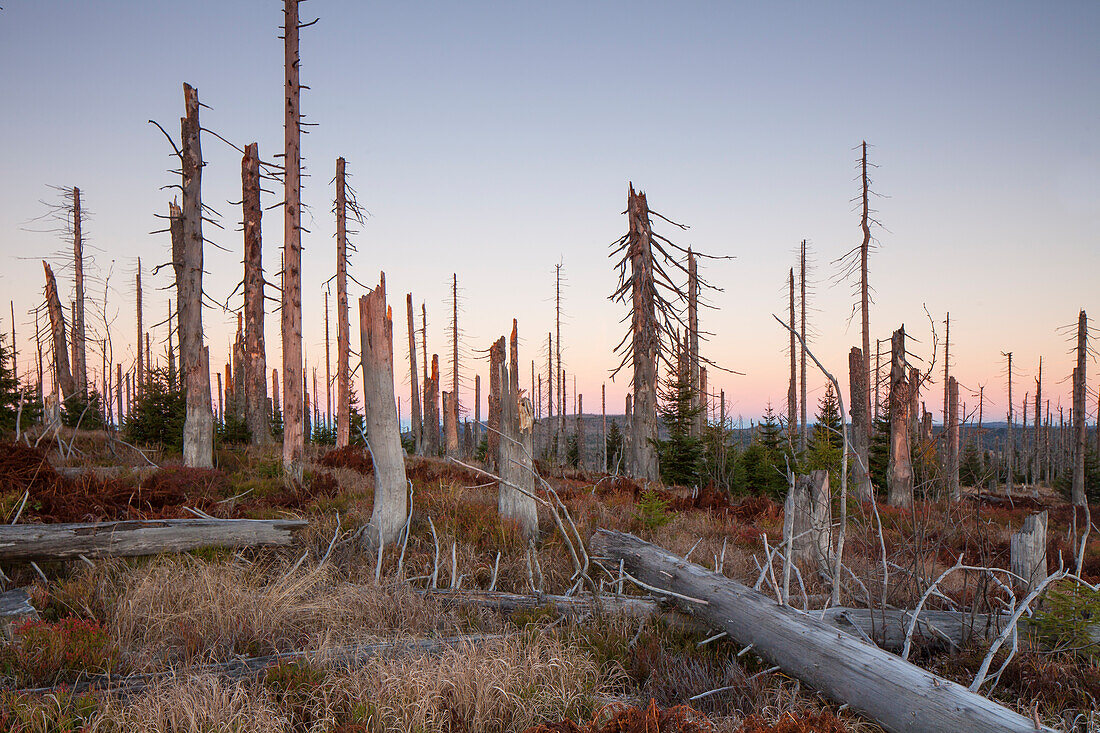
(494, 141)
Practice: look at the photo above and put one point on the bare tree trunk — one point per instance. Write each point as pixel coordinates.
(450, 424)
(140, 379)
(645, 340)
(603, 429)
(1028, 552)
(899, 472)
(496, 363)
(699, 418)
(1079, 416)
(57, 326)
(293, 435)
(803, 433)
(198, 426)
(864, 290)
(452, 449)
(946, 370)
(1010, 449)
(417, 417)
(383, 433)
(560, 453)
(859, 412)
(118, 392)
(514, 460)
(953, 490)
(343, 370)
(431, 401)
(258, 414)
(477, 409)
(792, 385)
(580, 431)
(810, 520)
(328, 370)
(80, 357)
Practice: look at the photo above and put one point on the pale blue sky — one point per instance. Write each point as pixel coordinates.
(496, 139)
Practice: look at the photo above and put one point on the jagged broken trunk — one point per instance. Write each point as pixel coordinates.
(899, 470)
(383, 433)
(807, 520)
(515, 497)
(645, 337)
(257, 409)
(198, 426)
(57, 328)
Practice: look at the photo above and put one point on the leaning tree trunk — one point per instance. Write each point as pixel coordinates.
(859, 410)
(896, 694)
(293, 435)
(516, 450)
(899, 470)
(257, 411)
(380, 413)
(1079, 417)
(198, 426)
(80, 357)
(57, 327)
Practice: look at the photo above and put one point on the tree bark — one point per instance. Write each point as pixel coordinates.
(198, 426)
(516, 450)
(258, 414)
(57, 327)
(809, 529)
(899, 471)
(414, 381)
(496, 396)
(645, 341)
(139, 380)
(80, 357)
(291, 315)
(25, 542)
(896, 694)
(859, 410)
(1079, 416)
(1028, 552)
(380, 412)
(953, 489)
(792, 384)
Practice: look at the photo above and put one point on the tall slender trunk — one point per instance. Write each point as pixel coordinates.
(803, 433)
(864, 290)
(1010, 450)
(198, 426)
(860, 445)
(1079, 416)
(559, 372)
(293, 435)
(455, 406)
(257, 409)
(953, 490)
(417, 417)
(497, 387)
(645, 339)
(698, 418)
(328, 369)
(603, 427)
(792, 384)
(140, 379)
(80, 356)
(1036, 469)
(343, 369)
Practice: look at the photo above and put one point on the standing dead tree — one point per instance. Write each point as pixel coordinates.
(80, 357)
(198, 426)
(1010, 445)
(792, 386)
(63, 374)
(257, 408)
(293, 406)
(654, 321)
(899, 471)
(496, 364)
(140, 377)
(952, 430)
(698, 388)
(804, 430)
(854, 263)
(516, 492)
(860, 444)
(345, 203)
(380, 415)
(454, 408)
(417, 417)
(1079, 416)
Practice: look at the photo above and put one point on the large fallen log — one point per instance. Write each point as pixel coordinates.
(139, 537)
(580, 605)
(896, 694)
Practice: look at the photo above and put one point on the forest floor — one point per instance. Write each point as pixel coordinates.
(170, 621)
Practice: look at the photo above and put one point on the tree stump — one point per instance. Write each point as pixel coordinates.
(1028, 551)
(811, 516)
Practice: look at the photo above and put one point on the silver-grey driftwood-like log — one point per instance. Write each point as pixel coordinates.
(23, 542)
(898, 695)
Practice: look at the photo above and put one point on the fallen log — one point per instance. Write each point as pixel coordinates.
(635, 606)
(236, 670)
(896, 694)
(23, 542)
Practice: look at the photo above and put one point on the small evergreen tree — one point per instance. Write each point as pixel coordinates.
(9, 388)
(763, 467)
(156, 418)
(85, 411)
(827, 440)
(614, 445)
(681, 455)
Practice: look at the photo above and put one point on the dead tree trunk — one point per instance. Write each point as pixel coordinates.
(953, 490)
(864, 290)
(450, 425)
(859, 411)
(1037, 461)
(496, 394)
(198, 426)
(899, 471)
(808, 528)
(515, 464)
(1028, 552)
(697, 396)
(258, 413)
(452, 445)
(140, 377)
(417, 417)
(560, 452)
(343, 370)
(792, 384)
(579, 431)
(1010, 449)
(477, 409)
(803, 433)
(896, 694)
(291, 316)
(118, 393)
(431, 407)
(80, 356)
(57, 327)
(380, 413)
(1079, 416)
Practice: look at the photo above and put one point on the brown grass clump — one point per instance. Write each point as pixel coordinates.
(821, 721)
(349, 456)
(621, 718)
